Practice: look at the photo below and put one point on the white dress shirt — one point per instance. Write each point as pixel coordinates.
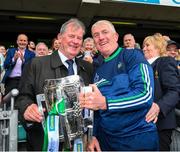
(64, 58)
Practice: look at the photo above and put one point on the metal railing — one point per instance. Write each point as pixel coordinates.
(8, 122)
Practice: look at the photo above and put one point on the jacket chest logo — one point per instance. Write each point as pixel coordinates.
(156, 75)
(119, 66)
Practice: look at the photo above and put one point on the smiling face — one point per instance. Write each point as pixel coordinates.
(71, 40)
(89, 45)
(105, 37)
(154, 46)
(56, 45)
(41, 49)
(172, 50)
(22, 41)
(3, 50)
(149, 49)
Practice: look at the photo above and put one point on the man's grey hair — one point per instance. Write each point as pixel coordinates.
(41, 43)
(104, 22)
(76, 23)
(88, 39)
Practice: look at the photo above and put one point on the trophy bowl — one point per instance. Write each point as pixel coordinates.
(66, 90)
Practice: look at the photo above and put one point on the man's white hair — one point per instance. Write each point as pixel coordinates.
(104, 22)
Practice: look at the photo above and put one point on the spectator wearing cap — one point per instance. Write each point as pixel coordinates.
(172, 48)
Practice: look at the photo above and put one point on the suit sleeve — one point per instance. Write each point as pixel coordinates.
(168, 76)
(8, 61)
(26, 89)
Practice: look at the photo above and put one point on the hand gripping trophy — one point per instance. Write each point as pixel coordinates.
(64, 124)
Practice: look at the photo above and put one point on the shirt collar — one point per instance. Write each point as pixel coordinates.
(152, 59)
(63, 57)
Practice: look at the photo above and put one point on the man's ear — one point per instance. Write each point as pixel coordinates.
(59, 37)
(116, 36)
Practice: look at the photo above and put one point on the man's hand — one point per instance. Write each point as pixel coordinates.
(16, 55)
(32, 113)
(93, 100)
(88, 58)
(153, 113)
(21, 55)
(93, 145)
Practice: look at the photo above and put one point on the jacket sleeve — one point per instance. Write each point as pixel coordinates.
(8, 61)
(136, 89)
(26, 88)
(169, 80)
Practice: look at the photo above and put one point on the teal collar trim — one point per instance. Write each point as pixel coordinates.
(113, 55)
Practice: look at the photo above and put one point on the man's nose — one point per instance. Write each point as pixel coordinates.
(101, 36)
(76, 40)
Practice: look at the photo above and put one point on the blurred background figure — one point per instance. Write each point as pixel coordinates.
(129, 42)
(3, 50)
(50, 51)
(90, 53)
(41, 49)
(2, 59)
(1, 62)
(31, 46)
(167, 38)
(1, 66)
(55, 44)
(89, 49)
(14, 63)
(172, 48)
(166, 84)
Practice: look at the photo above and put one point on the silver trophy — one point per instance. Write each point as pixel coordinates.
(71, 119)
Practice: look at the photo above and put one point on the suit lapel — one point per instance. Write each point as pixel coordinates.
(80, 65)
(56, 63)
(26, 55)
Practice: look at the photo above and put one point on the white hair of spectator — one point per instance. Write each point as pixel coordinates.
(41, 49)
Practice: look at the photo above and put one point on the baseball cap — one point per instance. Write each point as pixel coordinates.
(169, 42)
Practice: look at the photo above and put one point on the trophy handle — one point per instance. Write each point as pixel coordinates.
(41, 98)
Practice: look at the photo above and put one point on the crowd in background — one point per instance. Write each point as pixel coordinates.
(89, 51)
(160, 51)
